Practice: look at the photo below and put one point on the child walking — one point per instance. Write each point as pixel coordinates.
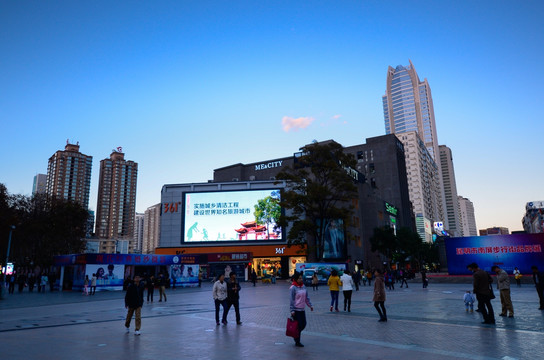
(469, 301)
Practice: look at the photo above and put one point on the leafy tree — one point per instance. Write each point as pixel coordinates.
(45, 227)
(318, 190)
(385, 242)
(267, 211)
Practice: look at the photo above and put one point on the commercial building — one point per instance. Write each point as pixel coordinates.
(468, 219)
(69, 175)
(533, 220)
(116, 204)
(217, 217)
(408, 109)
(424, 184)
(494, 231)
(39, 185)
(450, 191)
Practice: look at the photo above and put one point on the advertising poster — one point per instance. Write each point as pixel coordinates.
(108, 277)
(506, 251)
(185, 274)
(334, 240)
(323, 270)
(232, 216)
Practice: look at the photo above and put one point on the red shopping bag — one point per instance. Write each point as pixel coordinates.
(292, 328)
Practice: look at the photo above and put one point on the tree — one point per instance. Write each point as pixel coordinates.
(385, 242)
(318, 190)
(267, 211)
(45, 227)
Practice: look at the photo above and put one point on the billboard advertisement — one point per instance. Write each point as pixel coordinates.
(108, 277)
(222, 216)
(506, 251)
(323, 270)
(185, 274)
(334, 240)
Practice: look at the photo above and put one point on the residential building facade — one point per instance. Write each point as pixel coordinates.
(151, 229)
(468, 219)
(69, 175)
(116, 204)
(453, 219)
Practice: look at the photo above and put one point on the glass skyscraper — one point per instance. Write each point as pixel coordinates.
(408, 106)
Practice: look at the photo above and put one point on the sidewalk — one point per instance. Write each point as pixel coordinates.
(423, 324)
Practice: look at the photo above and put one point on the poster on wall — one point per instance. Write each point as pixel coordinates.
(185, 275)
(506, 251)
(334, 239)
(232, 216)
(108, 277)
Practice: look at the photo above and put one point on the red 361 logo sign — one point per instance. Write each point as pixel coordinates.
(171, 207)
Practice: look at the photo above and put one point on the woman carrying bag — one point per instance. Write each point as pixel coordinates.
(299, 300)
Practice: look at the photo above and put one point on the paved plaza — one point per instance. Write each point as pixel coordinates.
(423, 324)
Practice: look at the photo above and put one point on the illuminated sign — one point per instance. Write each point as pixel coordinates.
(438, 226)
(391, 209)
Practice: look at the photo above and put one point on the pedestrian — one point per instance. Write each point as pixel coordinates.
(298, 300)
(219, 293)
(403, 278)
(424, 278)
(86, 285)
(31, 281)
(21, 280)
(315, 282)
(389, 280)
(369, 276)
(43, 282)
(233, 296)
(517, 276)
(538, 279)
(379, 295)
(347, 289)
(200, 278)
(150, 285)
(253, 277)
(483, 291)
(357, 279)
(469, 299)
(93, 284)
(161, 282)
(11, 282)
(363, 277)
(134, 300)
(503, 285)
(334, 284)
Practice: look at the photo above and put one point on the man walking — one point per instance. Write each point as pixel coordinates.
(503, 285)
(482, 290)
(162, 287)
(538, 278)
(134, 300)
(233, 296)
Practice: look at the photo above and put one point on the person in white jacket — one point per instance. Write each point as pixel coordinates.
(347, 289)
(220, 298)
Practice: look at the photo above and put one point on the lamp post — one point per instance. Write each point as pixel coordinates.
(12, 227)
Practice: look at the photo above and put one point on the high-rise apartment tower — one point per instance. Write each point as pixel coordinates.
(69, 175)
(116, 205)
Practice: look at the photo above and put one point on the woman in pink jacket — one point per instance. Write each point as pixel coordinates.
(299, 300)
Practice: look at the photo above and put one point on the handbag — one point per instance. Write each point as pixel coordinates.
(292, 328)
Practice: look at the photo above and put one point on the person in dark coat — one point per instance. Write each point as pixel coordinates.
(134, 300)
(379, 295)
(538, 279)
(482, 290)
(233, 296)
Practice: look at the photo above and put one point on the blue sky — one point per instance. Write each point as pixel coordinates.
(186, 87)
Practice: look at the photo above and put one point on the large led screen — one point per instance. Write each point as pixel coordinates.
(248, 215)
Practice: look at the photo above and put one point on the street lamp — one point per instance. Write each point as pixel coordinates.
(12, 227)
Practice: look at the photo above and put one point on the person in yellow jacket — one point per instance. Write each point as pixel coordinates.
(334, 287)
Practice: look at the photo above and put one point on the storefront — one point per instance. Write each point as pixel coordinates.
(267, 260)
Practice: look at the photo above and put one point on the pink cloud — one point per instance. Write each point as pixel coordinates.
(336, 117)
(290, 123)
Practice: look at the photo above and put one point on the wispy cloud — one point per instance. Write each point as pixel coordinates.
(290, 123)
(336, 117)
